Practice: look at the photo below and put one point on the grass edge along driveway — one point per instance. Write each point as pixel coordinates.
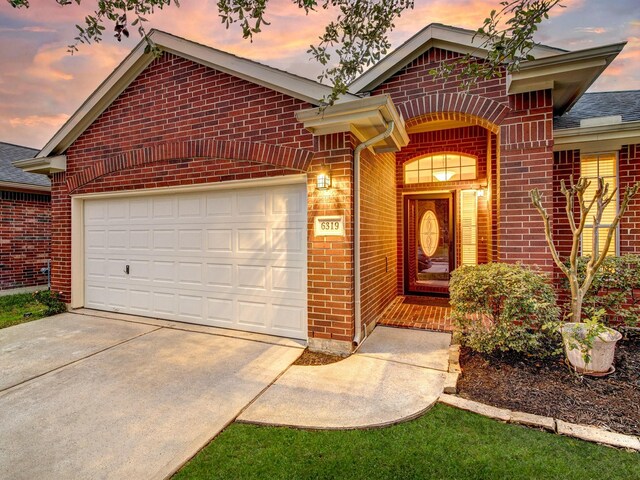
(445, 443)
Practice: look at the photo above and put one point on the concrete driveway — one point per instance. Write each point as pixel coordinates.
(96, 395)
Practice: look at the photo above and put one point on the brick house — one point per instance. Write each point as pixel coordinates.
(203, 187)
(25, 210)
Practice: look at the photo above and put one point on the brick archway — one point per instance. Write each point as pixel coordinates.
(472, 109)
(285, 157)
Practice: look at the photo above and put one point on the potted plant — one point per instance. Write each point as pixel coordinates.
(590, 342)
(590, 345)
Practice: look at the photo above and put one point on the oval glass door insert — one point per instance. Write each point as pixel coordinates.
(429, 233)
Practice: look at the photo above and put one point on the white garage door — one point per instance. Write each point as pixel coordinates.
(228, 258)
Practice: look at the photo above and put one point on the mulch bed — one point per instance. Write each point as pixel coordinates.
(550, 388)
(314, 358)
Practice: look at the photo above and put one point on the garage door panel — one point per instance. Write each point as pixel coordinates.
(287, 318)
(219, 240)
(141, 301)
(140, 239)
(162, 207)
(252, 240)
(251, 203)
(190, 240)
(229, 258)
(219, 275)
(289, 203)
(164, 304)
(190, 206)
(190, 273)
(190, 307)
(164, 240)
(219, 204)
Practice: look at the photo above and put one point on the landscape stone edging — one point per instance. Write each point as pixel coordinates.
(583, 432)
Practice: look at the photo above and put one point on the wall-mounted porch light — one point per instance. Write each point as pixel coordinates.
(323, 180)
(480, 192)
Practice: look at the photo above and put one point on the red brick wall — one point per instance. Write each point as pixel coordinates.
(565, 164)
(156, 133)
(525, 144)
(526, 162)
(378, 217)
(467, 140)
(330, 259)
(25, 238)
(176, 99)
(629, 168)
(414, 81)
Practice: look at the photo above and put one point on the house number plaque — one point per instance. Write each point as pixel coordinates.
(332, 226)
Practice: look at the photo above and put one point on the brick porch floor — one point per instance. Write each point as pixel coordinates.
(427, 313)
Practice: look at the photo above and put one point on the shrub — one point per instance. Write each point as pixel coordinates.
(502, 307)
(51, 300)
(615, 289)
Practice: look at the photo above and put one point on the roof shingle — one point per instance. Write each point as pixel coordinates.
(601, 104)
(8, 173)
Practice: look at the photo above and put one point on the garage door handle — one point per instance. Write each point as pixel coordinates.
(126, 269)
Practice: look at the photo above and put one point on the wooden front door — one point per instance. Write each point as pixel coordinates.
(429, 253)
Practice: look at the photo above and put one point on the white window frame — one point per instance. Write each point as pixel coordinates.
(432, 170)
(617, 199)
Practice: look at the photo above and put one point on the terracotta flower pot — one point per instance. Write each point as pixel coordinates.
(600, 355)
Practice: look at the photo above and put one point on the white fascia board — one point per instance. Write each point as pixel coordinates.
(600, 137)
(365, 118)
(548, 69)
(433, 36)
(569, 74)
(292, 85)
(44, 165)
(25, 186)
(99, 100)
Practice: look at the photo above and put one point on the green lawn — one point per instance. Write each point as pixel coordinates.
(20, 308)
(446, 443)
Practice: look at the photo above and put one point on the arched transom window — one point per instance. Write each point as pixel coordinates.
(441, 167)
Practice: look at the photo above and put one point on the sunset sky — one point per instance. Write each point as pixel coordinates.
(41, 85)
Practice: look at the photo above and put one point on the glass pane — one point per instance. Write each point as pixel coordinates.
(425, 176)
(438, 162)
(432, 245)
(466, 161)
(425, 163)
(411, 166)
(468, 173)
(411, 176)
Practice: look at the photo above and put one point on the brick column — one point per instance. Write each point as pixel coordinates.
(330, 259)
(526, 162)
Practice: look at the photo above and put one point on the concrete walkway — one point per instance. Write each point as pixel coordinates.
(396, 375)
(84, 396)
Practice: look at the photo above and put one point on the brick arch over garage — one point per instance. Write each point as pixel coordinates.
(472, 109)
(286, 157)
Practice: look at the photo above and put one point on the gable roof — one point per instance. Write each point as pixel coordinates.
(435, 35)
(15, 176)
(569, 74)
(293, 85)
(626, 104)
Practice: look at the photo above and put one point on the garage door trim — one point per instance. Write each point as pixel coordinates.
(78, 227)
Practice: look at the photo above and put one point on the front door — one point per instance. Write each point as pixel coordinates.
(429, 243)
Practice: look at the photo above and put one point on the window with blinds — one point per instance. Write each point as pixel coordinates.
(469, 227)
(593, 166)
(442, 167)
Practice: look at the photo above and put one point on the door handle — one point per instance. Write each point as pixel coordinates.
(126, 269)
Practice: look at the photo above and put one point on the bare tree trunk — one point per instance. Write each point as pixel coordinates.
(601, 199)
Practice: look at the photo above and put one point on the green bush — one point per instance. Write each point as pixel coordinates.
(501, 307)
(615, 290)
(51, 300)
